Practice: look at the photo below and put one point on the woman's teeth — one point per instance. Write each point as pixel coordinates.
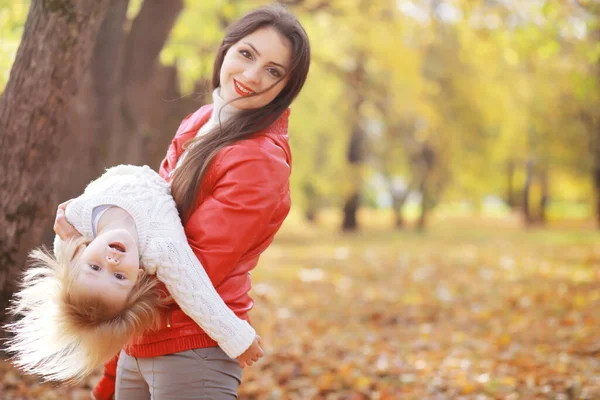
(242, 89)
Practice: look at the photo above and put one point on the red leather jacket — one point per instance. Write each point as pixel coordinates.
(243, 201)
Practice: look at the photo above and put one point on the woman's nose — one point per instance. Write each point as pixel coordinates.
(252, 75)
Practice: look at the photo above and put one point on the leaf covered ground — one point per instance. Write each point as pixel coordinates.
(471, 309)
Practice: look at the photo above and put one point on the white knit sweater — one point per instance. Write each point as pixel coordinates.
(163, 248)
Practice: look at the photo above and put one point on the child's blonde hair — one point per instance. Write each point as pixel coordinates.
(62, 336)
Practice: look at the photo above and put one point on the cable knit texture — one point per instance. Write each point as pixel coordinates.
(164, 248)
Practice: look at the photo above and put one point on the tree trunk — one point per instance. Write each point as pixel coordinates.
(312, 202)
(422, 221)
(144, 106)
(527, 215)
(398, 204)
(356, 149)
(545, 196)
(93, 116)
(510, 190)
(596, 178)
(399, 197)
(105, 76)
(427, 161)
(350, 222)
(54, 53)
(355, 157)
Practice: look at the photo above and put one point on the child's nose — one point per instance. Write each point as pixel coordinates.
(112, 259)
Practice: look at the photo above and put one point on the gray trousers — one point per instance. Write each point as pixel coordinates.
(207, 374)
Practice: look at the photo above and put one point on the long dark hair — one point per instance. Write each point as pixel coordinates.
(187, 180)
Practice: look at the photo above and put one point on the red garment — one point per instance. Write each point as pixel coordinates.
(244, 199)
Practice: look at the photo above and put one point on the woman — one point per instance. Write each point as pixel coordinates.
(229, 166)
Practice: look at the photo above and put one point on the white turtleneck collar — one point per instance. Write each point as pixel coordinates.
(221, 110)
(219, 106)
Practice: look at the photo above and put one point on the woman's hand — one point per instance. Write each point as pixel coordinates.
(252, 354)
(62, 228)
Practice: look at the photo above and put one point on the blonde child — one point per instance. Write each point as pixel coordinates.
(79, 306)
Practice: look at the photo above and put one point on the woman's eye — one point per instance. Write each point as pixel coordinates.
(94, 267)
(119, 276)
(274, 72)
(246, 54)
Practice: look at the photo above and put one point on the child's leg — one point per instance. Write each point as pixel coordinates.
(206, 373)
(130, 383)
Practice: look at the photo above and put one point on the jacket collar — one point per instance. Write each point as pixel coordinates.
(190, 126)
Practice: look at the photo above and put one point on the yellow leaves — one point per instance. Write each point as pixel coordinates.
(504, 340)
(325, 381)
(360, 316)
(511, 57)
(467, 388)
(362, 383)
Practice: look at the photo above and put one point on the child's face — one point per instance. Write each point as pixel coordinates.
(252, 65)
(109, 266)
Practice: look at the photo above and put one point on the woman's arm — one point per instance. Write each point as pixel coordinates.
(186, 280)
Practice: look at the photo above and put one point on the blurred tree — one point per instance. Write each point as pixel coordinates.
(33, 110)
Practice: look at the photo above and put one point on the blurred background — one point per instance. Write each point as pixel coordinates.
(446, 188)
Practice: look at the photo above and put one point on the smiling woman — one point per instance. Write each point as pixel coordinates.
(229, 167)
(200, 226)
(254, 69)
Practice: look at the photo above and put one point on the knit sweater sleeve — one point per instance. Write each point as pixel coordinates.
(187, 281)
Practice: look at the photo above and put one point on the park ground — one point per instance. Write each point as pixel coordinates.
(473, 308)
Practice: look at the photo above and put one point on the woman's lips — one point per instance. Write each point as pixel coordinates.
(242, 89)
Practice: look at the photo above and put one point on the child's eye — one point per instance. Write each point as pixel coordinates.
(94, 267)
(246, 54)
(119, 276)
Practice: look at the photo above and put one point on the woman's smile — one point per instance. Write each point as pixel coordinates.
(242, 89)
(254, 69)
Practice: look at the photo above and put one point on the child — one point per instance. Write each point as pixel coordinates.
(80, 306)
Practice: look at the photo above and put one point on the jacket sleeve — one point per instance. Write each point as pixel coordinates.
(250, 185)
(105, 388)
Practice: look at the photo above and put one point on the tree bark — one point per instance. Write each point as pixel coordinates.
(397, 204)
(105, 75)
(398, 200)
(144, 106)
(545, 196)
(54, 53)
(351, 206)
(355, 157)
(356, 149)
(527, 215)
(510, 188)
(596, 179)
(427, 161)
(312, 202)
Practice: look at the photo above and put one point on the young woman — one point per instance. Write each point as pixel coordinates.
(228, 166)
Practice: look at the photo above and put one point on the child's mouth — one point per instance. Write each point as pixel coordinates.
(117, 246)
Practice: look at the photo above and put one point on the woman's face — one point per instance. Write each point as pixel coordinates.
(254, 64)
